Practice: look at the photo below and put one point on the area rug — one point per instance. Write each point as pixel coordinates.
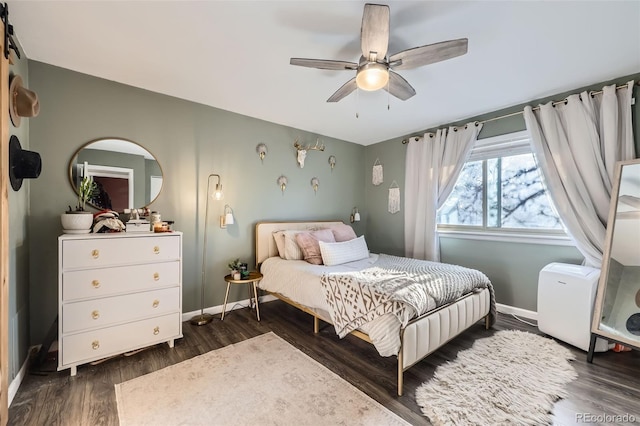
(260, 381)
(512, 377)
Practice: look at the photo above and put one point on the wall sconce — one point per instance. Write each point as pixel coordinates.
(261, 149)
(355, 215)
(282, 183)
(332, 161)
(227, 217)
(314, 184)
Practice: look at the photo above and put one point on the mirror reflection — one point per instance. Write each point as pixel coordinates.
(621, 305)
(127, 175)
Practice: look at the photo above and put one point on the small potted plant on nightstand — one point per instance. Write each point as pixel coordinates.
(79, 221)
(234, 267)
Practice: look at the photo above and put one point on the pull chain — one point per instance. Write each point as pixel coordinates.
(388, 96)
(357, 101)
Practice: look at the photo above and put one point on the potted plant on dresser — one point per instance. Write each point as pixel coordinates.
(79, 221)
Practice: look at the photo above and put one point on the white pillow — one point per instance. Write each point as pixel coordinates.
(343, 252)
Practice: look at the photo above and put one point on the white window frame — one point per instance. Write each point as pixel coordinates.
(503, 145)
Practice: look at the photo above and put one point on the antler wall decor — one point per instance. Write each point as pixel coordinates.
(302, 150)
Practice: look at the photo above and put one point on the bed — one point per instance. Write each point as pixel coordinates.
(302, 285)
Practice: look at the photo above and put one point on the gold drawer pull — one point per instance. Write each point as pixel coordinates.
(156, 276)
(156, 250)
(156, 303)
(156, 331)
(95, 345)
(95, 253)
(95, 284)
(95, 315)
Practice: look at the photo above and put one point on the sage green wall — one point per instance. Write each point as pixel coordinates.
(190, 141)
(19, 245)
(512, 267)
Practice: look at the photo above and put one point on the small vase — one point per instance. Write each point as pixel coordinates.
(235, 275)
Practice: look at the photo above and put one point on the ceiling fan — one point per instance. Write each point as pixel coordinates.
(374, 71)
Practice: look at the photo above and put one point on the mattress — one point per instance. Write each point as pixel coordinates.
(299, 281)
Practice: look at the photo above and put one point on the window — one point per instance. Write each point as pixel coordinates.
(500, 189)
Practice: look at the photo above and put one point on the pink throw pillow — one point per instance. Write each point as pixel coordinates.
(343, 233)
(310, 247)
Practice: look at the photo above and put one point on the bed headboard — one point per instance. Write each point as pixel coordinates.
(266, 245)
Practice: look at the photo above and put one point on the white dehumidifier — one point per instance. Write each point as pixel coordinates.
(566, 295)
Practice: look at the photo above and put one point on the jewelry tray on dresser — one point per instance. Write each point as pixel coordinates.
(116, 293)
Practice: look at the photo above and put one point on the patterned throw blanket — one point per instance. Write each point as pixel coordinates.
(401, 286)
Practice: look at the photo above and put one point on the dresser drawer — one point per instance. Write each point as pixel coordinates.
(104, 342)
(100, 282)
(78, 316)
(100, 252)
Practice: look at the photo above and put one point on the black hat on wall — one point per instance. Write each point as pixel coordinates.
(22, 164)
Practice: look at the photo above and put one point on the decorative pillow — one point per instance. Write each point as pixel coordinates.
(291, 249)
(343, 232)
(278, 237)
(309, 244)
(343, 252)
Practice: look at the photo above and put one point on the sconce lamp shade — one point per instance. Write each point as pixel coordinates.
(227, 217)
(356, 217)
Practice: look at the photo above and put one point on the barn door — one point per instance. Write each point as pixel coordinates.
(4, 233)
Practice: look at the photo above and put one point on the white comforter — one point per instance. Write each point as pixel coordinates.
(299, 281)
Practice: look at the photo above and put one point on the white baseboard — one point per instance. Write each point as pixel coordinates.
(506, 309)
(15, 383)
(239, 304)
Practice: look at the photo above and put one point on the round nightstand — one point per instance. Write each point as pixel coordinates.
(253, 278)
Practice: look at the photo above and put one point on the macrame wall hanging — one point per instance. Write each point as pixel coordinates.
(394, 198)
(377, 173)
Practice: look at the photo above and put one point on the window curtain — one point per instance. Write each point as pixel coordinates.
(576, 144)
(432, 166)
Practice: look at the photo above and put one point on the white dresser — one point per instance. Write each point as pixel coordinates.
(116, 293)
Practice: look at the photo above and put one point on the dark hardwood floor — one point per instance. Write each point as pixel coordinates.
(610, 386)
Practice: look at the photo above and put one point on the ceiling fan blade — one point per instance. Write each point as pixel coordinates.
(324, 64)
(346, 89)
(399, 87)
(429, 54)
(374, 33)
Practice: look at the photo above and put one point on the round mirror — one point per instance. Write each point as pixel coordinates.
(127, 175)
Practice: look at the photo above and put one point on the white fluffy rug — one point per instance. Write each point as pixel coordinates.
(260, 381)
(512, 377)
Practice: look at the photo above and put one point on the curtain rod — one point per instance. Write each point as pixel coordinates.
(500, 117)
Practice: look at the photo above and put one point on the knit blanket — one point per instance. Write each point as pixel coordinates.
(404, 287)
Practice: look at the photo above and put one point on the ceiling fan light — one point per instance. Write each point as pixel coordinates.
(372, 76)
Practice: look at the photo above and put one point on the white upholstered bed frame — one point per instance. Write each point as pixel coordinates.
(421, 336)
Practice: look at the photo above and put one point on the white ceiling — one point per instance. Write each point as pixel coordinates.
(234, 55)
